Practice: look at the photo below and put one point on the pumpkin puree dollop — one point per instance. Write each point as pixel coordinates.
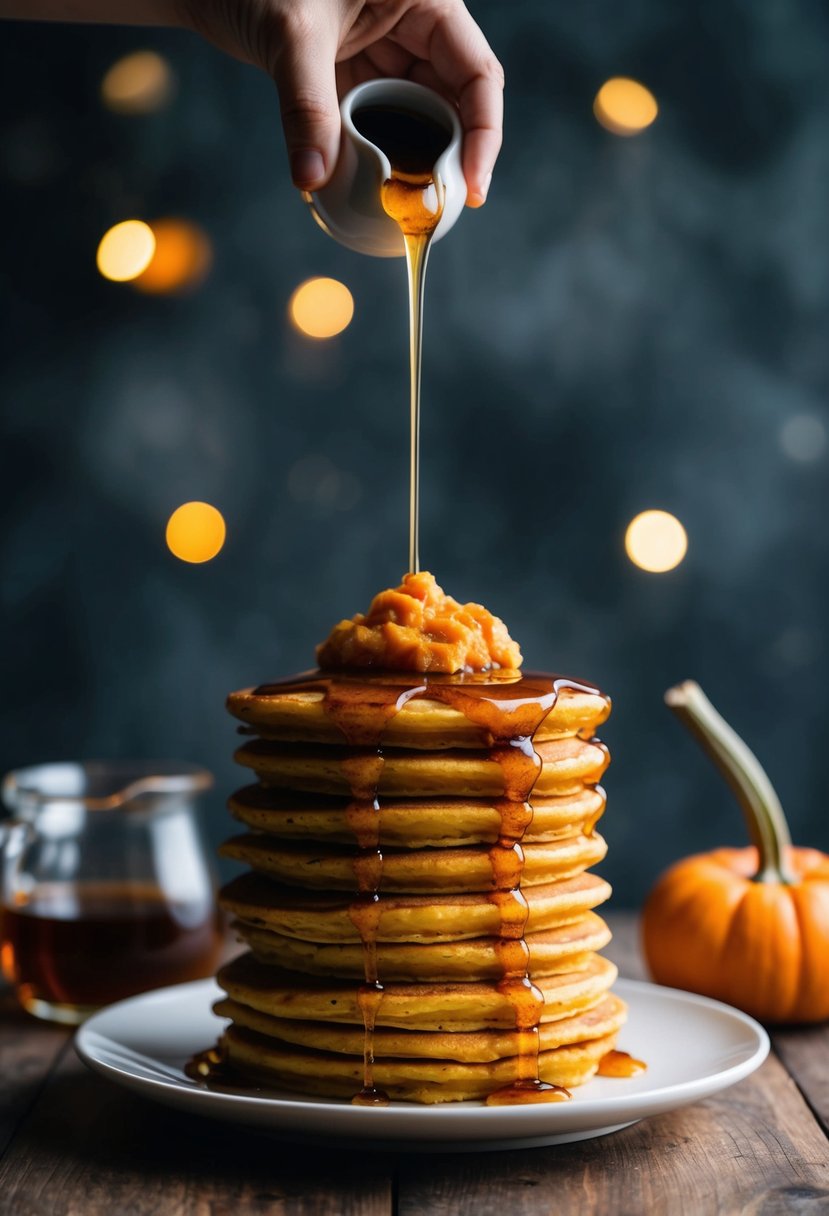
(417, 627)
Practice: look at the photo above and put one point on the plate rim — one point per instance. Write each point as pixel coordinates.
(550, 1115)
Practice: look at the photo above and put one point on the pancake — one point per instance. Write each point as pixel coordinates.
(299, 716)
(417, 850)
(553, 951)
(324, 917)
(469, 1047)
(566, 765)
(413, 871)
(412, 823)
(428, 1081)
(435, 1007)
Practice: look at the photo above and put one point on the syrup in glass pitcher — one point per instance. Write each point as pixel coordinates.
(107, 888)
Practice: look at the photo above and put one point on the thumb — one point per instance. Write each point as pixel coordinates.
(305, 79)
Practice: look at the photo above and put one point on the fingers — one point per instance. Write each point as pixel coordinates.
(482, 109)
(374, 63)
(458, 60)
(481, 143)
(305, 79)
(422, 72)
(463, 59)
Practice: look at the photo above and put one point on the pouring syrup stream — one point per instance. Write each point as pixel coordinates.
(413, 197)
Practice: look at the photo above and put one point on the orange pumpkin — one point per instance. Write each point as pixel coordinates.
(747, 926)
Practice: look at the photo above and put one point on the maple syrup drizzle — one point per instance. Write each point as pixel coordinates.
(413, 197)
(417, 255)
(213, 1069)
(589, 825)
(362, 768)
(620, 1064)
(520, 766)
(509, 707)
(363, 773)
(207, 1065)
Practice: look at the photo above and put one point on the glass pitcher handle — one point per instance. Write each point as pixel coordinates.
(15, 834)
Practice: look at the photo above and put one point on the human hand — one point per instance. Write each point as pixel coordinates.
(316, 50)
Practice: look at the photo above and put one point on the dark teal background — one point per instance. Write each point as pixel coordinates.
(627, 324)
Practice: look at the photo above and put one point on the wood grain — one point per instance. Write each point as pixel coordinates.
(91, 1149)
(805, 1052)
(77, 1145)
(754, 1149)
(28, 1050)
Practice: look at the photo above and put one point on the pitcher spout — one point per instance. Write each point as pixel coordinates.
(349, 206)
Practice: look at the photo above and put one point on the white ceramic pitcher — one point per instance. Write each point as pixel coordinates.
(348, 207)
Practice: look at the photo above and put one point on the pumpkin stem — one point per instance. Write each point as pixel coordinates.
(742, 770)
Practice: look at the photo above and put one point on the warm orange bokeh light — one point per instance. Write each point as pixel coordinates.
(625, 106)
(181, 260)
(656, 541)
(321, 308)
(137, 84)
(125, 250)
(195, 532)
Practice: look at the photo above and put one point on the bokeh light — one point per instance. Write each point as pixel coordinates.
(138, 84)
(195, 532)
(181, 260)
(125, 251)
(625, 106)
(656, 541)
(803, 438)
(321, 308)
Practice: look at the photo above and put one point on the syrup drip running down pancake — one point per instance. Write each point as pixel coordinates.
(419, 911)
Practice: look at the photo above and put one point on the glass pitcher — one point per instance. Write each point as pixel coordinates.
(106, 887)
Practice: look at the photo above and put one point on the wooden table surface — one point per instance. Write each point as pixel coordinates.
(71, 1142)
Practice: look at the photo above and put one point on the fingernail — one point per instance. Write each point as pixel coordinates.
(477, 198)
(307, 168)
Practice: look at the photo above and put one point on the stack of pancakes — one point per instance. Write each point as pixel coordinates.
(445, 1024)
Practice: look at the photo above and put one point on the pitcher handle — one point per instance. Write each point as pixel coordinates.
(15, 834)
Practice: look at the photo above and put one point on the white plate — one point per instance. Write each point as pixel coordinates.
(694, 1047)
